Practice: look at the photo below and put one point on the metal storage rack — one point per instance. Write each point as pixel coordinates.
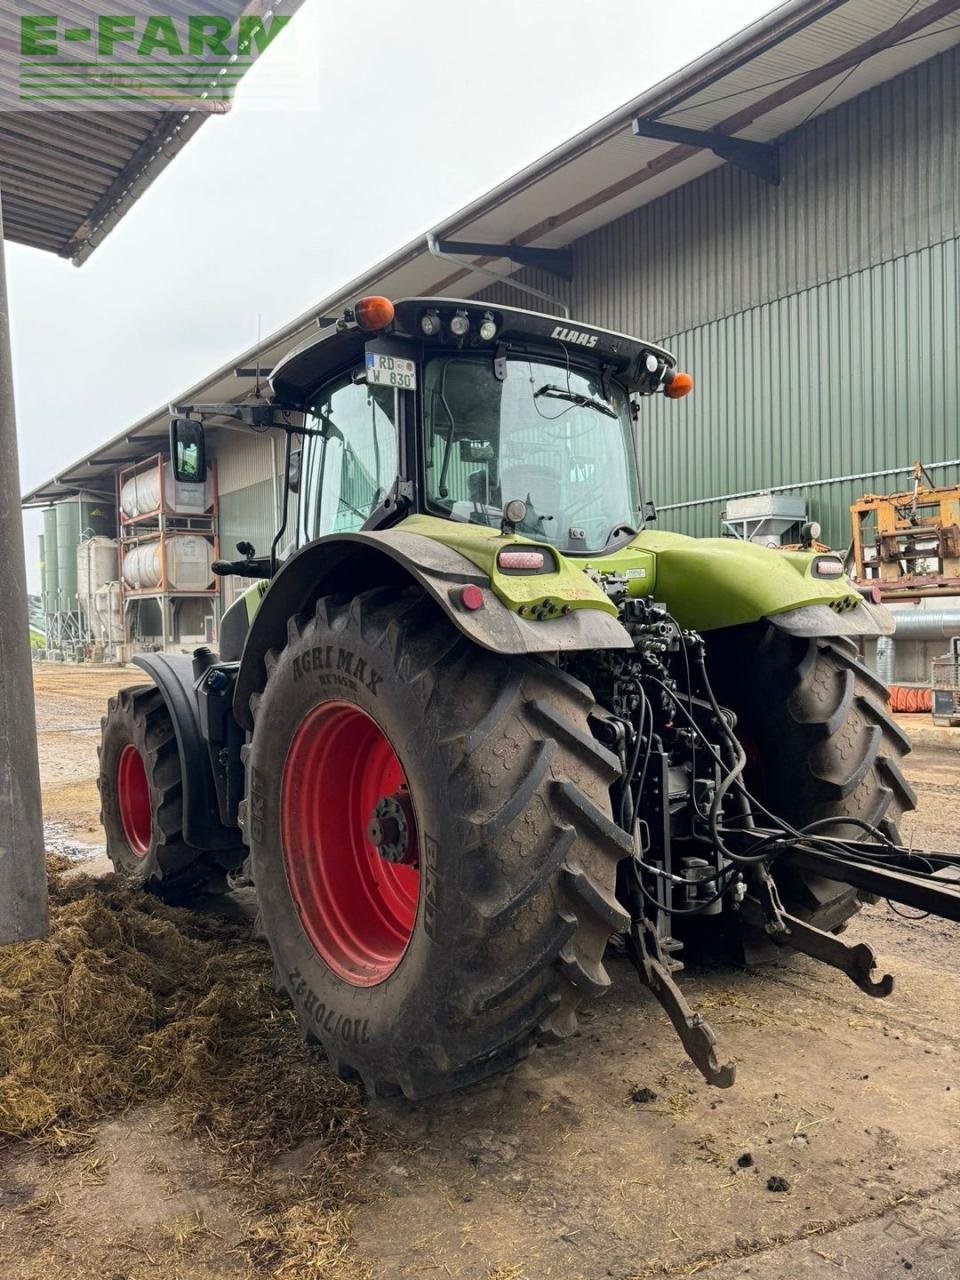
(945, 683)
(157, 526)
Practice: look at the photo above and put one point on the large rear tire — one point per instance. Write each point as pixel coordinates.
(483, 771)
(820, 744)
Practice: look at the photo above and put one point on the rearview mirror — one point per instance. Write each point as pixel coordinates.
(188, 452)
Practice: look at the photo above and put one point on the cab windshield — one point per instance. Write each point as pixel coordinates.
(546, 434)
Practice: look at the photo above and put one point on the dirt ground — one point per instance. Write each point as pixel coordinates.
(557, 1170)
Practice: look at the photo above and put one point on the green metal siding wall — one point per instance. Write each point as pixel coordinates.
(848, 378)
(819, 318)
(875, 179)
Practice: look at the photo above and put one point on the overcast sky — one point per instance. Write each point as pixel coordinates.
(361, 127)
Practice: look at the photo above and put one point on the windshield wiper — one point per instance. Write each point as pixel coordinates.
(575, 397)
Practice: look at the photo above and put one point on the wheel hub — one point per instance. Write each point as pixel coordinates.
(391, 829)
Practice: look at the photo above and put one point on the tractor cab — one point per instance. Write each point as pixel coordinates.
(477, 414)
(468, 413)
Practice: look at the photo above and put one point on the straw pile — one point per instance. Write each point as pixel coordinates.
(130, 1001)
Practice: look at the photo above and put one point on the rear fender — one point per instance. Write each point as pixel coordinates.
(820, 620)
(353, 562)
(172, 673)
(709, 583)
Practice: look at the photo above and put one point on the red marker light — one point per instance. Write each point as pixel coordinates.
(471, 598)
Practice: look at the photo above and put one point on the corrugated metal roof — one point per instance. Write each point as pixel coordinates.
(68, 175)
(804, 58)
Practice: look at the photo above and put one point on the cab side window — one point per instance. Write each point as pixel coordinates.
(351, 470)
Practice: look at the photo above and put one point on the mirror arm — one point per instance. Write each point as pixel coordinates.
(286, 504)
(258, 416)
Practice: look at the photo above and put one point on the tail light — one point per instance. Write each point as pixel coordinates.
(526, 560)
(828, 567)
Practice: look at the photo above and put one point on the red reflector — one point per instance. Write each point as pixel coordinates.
(510, 559)
(471, 597)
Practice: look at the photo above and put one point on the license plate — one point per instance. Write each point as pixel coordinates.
(391, 371)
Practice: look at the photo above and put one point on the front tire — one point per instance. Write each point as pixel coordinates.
(426, 978)
(141, 795)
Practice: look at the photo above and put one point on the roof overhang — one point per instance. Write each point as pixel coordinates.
(802, 59)
(68, 176)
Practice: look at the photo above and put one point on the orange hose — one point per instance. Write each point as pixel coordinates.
(907, 699)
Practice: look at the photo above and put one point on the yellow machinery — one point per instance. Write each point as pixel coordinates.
(908, 544)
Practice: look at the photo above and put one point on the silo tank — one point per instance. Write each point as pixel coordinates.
(68, 536)
(107, 621)
(50, 575)
(77, 518)
(98, 518)
(189, 559)
(96, 564)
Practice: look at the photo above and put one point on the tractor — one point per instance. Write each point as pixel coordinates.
(475, 721)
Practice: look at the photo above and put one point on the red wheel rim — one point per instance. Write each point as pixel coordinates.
(357, 908)
(133, 799)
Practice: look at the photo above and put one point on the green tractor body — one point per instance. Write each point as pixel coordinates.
(476, 717)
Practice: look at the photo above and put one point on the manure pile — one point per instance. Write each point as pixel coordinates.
(132, 1001)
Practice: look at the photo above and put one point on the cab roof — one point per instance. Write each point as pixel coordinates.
(341, 346)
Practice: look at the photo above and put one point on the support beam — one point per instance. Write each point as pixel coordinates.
(23, 875)
(558, 262)
(762, 159)
(81, 484)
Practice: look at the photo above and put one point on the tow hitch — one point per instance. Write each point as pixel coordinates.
(695, 1034)
(857, 960)
(925, 880)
